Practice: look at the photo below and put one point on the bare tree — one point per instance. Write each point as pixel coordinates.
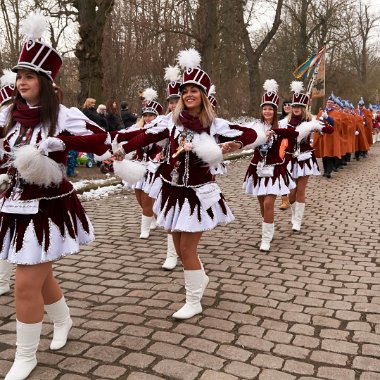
(254, 54)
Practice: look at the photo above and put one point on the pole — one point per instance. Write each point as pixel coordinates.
(311, 82)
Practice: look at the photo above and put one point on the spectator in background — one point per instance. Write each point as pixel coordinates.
(127, 116)
(89, 110)
(113, 117)
(101, 110)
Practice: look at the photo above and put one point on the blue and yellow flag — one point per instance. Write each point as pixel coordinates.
(304, 69)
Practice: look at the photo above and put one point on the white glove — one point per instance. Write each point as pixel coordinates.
(325, 115)
(356, 133)
(115, 145)
(51, 144)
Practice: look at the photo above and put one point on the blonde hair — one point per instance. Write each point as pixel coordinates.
(306, 115)
(88, 101)
(140, 122)
(206, 116)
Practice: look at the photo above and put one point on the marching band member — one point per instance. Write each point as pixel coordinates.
(7, 83)
(190, 202)
(267, 175)
(303, 162)
(41, 218)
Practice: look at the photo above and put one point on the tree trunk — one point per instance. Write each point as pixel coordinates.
(92, 17)
(254, 56)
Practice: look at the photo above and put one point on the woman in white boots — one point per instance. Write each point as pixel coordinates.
(267, 175)
(190, 202)
(303, 162)
(149, 159)
(41, 218)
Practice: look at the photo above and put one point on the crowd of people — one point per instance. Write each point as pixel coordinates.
(170, 160)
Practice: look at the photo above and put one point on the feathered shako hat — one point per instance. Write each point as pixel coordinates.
(8, 84)
(189, 60)
(150, 104)
(270, 95)
(299, 97)
(36, 55)
(173, 76)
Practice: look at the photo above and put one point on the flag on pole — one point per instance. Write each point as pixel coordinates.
(305, 68)
(318, 89)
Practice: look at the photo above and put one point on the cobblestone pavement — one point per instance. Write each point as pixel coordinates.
(309, 309)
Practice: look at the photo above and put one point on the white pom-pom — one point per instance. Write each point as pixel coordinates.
(189, 59)
(296, 86)
(261, 138)
(35, 168)
(212, 90)
(150, 94)
(270, 85)
(129, 171)
(34, 26)
(8, 79)
(305, 128)
(206, 148)
(172, 73)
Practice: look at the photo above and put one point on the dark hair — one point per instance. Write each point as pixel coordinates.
(49, 104)
(283, 113)
(275, 117)
(110, 107)
(123, 105)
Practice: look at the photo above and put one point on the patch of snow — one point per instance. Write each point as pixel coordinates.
(100, 192)
(85, 182)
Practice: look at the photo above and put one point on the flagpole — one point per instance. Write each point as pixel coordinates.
(311, 82)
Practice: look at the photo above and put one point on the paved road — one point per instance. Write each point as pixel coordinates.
(309, 309)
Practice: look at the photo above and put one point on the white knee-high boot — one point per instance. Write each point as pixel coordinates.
(153, 223)
(293, 209)
(28, 338)
(195, 286)
(5, 276)
(59, 313)
(298, 215)
(171, 255)
(266, 236)
(145, 226)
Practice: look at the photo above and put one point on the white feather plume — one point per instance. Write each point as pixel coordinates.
(189, 59)
(206, 148)
(296, 86)
(212, 90)
(150, 94)
(172, 73)
(104, 156)
(35, 168)
(129, 171)
(34, 26)
(305, 128)
(8, 78)
(261, 138)
(270, 85)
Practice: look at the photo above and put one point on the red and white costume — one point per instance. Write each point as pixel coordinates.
(300, 153)
(61, 224)
(189, 199)
(277, 180)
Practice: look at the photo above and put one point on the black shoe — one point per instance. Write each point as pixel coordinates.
(328, 175)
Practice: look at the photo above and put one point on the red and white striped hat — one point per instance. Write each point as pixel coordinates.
(299, 98)
(8, 84)
(190, 60)
(36, 55)
(172, 75)
(270, 95)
